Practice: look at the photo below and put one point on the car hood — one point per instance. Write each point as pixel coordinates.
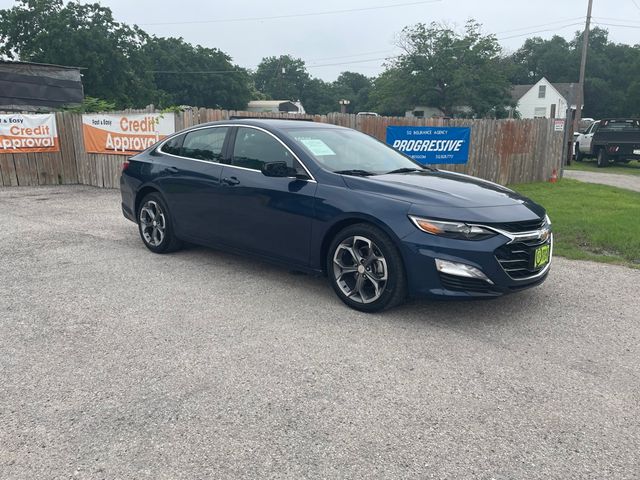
(439, 188)
(442, 190)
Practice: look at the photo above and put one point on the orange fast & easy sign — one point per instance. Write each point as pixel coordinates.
(125, 134)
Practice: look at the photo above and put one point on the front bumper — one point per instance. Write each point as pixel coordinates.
(499, 258)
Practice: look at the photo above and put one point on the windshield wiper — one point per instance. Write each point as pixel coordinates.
(361, 173)
(405, 170)
(409, 169)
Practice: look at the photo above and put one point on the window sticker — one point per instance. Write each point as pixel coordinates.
(317, 147)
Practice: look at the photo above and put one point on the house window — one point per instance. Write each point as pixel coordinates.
(540, 112)
(542, 91)
(418, 113)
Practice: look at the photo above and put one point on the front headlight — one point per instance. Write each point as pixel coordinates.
(457, 230)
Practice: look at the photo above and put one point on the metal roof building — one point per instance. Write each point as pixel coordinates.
(32, 87)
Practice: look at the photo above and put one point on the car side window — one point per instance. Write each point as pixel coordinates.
(254, 148)
(173, 145)
(204, 144)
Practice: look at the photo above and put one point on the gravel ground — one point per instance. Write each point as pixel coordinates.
(116, 363)
(629, 182)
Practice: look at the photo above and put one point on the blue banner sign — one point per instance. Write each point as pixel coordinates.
(431, 144)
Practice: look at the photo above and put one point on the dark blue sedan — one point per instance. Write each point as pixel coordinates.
(330, 200)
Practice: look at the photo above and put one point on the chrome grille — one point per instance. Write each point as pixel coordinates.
(517, 227)
(517, 258)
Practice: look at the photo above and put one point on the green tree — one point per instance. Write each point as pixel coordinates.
(454, 71)
(83, 35)
(282, 78)
(610, 78)
(354, 87)
(319, 97)
(392, 92)
(194, 75)
(556, 59)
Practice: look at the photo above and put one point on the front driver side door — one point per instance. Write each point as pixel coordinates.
(266, 215)
(587, 137)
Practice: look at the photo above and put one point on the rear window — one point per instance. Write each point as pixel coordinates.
(619, 125)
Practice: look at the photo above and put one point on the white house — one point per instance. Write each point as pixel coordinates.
(544, 99)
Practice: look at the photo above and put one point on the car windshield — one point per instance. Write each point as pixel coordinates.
(351, 152)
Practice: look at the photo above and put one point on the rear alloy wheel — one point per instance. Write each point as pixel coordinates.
(365, 269)
(154, 224)
(603, 158)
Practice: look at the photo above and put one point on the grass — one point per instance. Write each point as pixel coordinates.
(589, 165)
(590, 221)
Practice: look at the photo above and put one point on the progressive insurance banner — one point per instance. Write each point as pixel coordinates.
(21, 133)
(431, 144)
(125, 134)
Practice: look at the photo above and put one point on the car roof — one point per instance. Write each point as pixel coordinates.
(272, 123)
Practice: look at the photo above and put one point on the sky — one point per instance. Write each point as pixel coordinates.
(357, 35)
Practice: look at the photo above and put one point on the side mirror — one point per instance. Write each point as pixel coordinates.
(278, 169)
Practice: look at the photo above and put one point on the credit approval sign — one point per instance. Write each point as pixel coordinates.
(431, 144)
(21, 133)
(126, 133)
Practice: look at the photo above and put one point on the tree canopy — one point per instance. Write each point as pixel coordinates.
(461, 72)
(611, 77)
(453, 71)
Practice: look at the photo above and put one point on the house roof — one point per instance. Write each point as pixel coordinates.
(11, 62)
(568, 90)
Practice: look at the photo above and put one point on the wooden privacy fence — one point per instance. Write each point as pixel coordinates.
(502, 151)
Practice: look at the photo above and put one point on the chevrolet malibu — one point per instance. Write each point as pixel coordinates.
(332, 201)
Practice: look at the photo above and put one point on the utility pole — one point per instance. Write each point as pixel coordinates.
(583, 65)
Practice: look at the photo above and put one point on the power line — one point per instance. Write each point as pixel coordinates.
(636, 4)
(618, 19)
(195, 71)
(540, 31)
(351, 56)
(356, 61)
(294, 15)
(541, 25)
(615, 25)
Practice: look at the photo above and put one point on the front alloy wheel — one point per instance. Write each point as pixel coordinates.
(360, 269)
(365, 269)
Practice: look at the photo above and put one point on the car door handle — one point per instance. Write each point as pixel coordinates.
(171, 170)
(231, 181)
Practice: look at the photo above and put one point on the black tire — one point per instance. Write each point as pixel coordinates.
(579, 154)
(603, 158)
(165, 241)
(373, 261)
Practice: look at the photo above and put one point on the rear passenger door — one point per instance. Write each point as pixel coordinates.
(191, 181)
(267, 215)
